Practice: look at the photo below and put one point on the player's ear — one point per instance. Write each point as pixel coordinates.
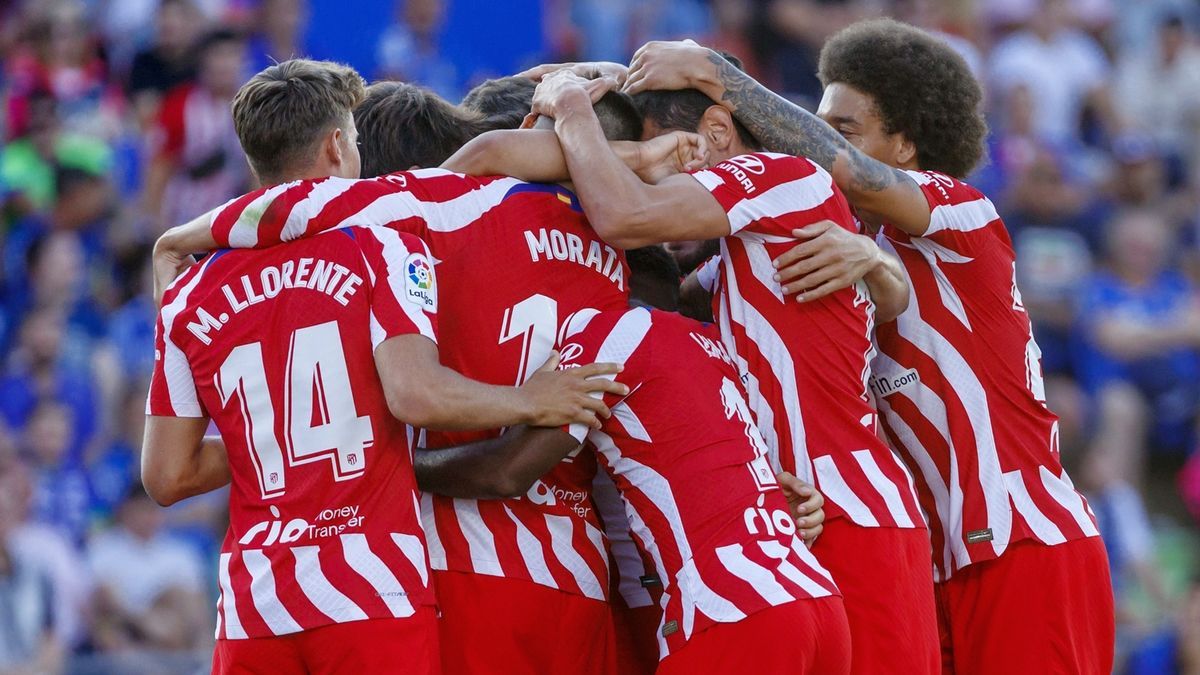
(906, 150)
(331, 147)
(716, 126)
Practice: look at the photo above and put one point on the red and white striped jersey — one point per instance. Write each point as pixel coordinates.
(805, 366)
(516, 259)
(692, 468)
(958, 382)
(277, 346)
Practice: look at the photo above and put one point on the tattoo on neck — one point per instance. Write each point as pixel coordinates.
(782, 126)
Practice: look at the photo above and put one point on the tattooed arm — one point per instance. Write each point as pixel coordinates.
(782, 126)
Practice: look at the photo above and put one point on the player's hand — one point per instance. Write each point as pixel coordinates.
(574, 396)
(167, 263)
(557, 88)
(669, 65)
(589, 70)
(828, 259)
(808, 506)
(669, 154)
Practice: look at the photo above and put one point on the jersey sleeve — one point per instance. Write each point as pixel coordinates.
(403, 284)
(959, 215)
(757, 189)
(172, 388)
(421, 200)
(606, 337)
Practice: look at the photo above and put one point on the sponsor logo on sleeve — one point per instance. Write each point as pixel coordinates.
(419, 285)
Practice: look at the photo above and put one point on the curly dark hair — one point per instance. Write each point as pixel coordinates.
(921, 88)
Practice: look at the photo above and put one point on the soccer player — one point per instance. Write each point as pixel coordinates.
(805, 366)
(308, 357)
(1022, 579)
(541, 555)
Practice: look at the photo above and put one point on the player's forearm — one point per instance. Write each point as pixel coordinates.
(888, 287)
(498, 468)
(444, 400)
(531, 155)
(783, 126)
(613, 197)
(193, 237)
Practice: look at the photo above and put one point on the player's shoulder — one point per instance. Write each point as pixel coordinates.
(944, 189)
(616, 330)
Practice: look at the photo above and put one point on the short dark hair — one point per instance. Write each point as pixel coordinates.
(683, 109)
(282, 112)
(921, 88)
(216, 38)
(402, 125)
(653, 277)
(503, 102)
(619, 117)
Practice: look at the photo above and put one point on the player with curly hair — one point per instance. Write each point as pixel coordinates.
(1022, 581)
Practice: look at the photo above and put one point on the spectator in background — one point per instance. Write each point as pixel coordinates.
(117, 468)
(410, 51)
(62, 494)
(30, 631)
(1157, 92)
(41, 146)
(168, 62)
(197, 161)
(60, 55)
(149, 585)
(1064, 69)
(280, 34)
(1141, 336)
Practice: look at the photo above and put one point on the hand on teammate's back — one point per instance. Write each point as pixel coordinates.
(828, 259)
(663, 65)
(573, 396)
(807, 504)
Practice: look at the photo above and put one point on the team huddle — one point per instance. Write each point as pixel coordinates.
(474, 422)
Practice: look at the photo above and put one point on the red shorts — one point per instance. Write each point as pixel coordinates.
(803, 637)
(491, 625)
(1035, 609)
(408, 646)
(886, 578)
(636, 637)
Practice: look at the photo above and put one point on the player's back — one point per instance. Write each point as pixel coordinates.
(691, 465)
(277, 346)
(959, 384)
(805, 364)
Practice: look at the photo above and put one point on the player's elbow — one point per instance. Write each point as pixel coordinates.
(890, 308)
(415, 406)
(472, 159)
(623, 223)
(165, 487)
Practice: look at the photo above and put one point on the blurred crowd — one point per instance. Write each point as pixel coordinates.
(116, 125)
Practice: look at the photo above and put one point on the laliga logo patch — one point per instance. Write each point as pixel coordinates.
(749, 163)
(419, 284)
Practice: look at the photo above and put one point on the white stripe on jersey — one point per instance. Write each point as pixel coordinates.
(629, 420)
(761, 579)
(962, 217)
(228, 613)
(962, 379)
(433, 539)
(934, 252)
(698, 595)
(762, 267)
(764, 415)
(482, 544)
(801, 194)
(836, 490)
(891, 495)
(262, 593)
(177, 373)
(778, 551)
(531, 552)
(363, 560)
(760, 331)
(1062, 490)
(811, 560)
(244, 233)
(562, 531)
(624, 338)
(412, 549)
(322, 594)
(395, 254)
(1042, 526)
